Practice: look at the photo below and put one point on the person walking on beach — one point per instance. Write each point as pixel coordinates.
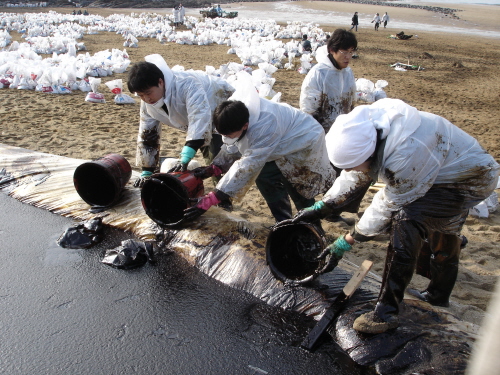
(433, 173)
(376, 20)
(354, 21)
(385, 19)
(329, 88)
(183, 100)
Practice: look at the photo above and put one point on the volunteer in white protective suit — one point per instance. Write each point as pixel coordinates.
(433, 174)
(177, 15)
(329, 88)
(279, 147)
(182, 14)
(183, 100)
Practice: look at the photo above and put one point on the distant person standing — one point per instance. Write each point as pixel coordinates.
(355, 22)
(176, 13)
(385, 19)
(182, 14)
(376, 20)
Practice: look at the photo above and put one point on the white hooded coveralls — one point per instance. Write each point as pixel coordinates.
(421, 150)
(327, 91)
(291, 138)
(182, 14)
(190, 97)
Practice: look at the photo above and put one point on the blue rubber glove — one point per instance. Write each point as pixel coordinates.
(145, 175)
(333, 253)
(187, 154)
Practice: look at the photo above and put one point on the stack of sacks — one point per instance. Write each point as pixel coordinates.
(263, 81)
(131, 41)
(290, 65)
(292, 48)
(305, 64)
(23, 68)
(254, 41)
(368, 92)
(47, 45)
(185, 37)
(259, 50)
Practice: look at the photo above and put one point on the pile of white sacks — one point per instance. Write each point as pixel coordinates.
(253, 40)
(258, 44)
(23, 68)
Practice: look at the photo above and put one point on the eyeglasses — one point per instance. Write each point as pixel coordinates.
(347, 53)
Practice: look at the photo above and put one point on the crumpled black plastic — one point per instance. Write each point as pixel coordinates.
(83, 235)
(130, 254)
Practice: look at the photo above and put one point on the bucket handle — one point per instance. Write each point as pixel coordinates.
(158, 181)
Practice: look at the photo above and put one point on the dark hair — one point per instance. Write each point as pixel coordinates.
(230, 116)
(143, 75)
(304, 36)
(342, 39)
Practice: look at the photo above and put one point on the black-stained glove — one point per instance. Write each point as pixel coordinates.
(145, 175)
(312, 214)
(178, 167)
(333, 253)
(207, 172)
(201, 206)
(332, 261)
(187, 154)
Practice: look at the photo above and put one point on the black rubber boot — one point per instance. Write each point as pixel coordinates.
(401, 260)
(281, 210)
(443, 269)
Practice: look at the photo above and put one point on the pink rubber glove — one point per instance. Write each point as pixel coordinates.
(202, 205)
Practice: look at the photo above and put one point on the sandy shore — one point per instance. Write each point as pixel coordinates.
(460, 82)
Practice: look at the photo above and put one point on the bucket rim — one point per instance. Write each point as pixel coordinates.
(101, 168)
(148, 210)
(277, 273)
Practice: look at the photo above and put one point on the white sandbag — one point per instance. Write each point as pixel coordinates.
(116, 86)
(94, 96)
(169, 163)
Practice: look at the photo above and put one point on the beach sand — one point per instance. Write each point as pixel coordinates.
(459, 82)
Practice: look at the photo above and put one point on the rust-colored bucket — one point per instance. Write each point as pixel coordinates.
(165, 196)
(292, 249)
(101, 181)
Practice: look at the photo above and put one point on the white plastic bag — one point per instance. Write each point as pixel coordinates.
(116, 88)
(169, 163)
(94, 96)
(486, 207)
(245, 91)
(368, 92)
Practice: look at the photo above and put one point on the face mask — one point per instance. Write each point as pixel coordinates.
(229, 141)
(158, 104)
